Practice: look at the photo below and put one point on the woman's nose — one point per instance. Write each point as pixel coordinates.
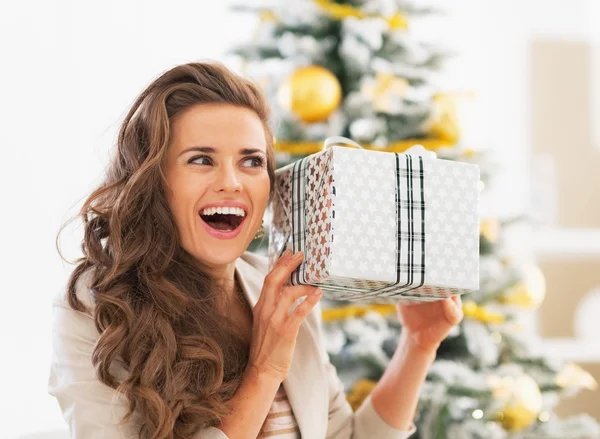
(228, 180)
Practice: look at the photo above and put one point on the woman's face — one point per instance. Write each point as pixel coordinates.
(218, 184)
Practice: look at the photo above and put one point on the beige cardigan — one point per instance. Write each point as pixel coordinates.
(315, 392)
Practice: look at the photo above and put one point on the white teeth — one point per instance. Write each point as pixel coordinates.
(224, 210)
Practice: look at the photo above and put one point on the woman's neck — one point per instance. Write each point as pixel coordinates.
(225, 282)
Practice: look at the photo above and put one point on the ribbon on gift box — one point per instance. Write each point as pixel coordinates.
(410, 219)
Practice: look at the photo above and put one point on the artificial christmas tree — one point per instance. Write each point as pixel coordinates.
(353, 68)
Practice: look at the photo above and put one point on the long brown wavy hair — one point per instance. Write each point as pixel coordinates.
(154, 309)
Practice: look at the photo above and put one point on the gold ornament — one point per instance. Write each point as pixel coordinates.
(521, 398)
(529, 293)
(490, 229)
(383, 89)
(574, 376)
(312, 93)
(260, 233)
(470, 153)
(307, 148)
(345, 312)
(472, 310)
(267, 15)
(397, 21)
(443, 123)
(360, 391)
(340, 12)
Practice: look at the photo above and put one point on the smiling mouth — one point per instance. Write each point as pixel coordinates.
(225, 222)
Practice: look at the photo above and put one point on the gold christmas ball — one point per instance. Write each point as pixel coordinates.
(490, 229)
(362, 388)
(522, 401)
(444, 120)
(473, 311)
(530, 292)
(312, 93)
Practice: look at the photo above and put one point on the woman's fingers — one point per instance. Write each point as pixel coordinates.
(275, 279)
(297, 317)
(287, 297)
(273, 338)
(453, 310)
(457, 299)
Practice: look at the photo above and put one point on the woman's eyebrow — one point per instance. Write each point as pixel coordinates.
(205, 149)
(246, 151)
(211, 150)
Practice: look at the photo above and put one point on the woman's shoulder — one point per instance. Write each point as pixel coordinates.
(83, 292)
(259, 261)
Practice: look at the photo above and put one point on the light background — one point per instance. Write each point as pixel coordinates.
(69, 71)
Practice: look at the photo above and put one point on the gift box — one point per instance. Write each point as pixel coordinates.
(378, 226)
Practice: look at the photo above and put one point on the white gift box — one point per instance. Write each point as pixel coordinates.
(378, 226)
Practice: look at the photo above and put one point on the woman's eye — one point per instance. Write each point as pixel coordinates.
(254, 162)
(201, 160)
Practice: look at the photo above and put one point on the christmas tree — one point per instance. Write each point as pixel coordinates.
(353, 68)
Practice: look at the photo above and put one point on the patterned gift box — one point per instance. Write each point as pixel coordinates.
(377, 226)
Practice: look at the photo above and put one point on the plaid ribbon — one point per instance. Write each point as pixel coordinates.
(410, 216)
(299, 216)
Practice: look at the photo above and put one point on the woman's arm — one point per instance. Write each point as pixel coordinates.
(251, 405)
(424, 327)
(407, 371)
(343, 422)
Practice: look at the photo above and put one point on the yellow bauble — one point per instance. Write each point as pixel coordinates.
(490, 229)
(529, 293)
(444, 122)
(362, 388)
(312, 93)
(522, 401)
(473, 311)
(383, 89)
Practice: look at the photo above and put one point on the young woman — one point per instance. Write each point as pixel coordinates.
(170, 329)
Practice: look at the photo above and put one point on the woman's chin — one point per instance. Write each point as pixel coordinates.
(218, 248)
(215, 252)
(215, 259)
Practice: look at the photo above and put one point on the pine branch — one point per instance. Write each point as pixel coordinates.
(411, 8)
(256, 52)
(442, 421)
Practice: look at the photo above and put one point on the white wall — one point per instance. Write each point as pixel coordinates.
(70, 69)
(495, 41)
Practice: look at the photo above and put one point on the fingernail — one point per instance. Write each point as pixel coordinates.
(317, 292)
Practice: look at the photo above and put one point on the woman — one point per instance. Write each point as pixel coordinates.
(170, 329)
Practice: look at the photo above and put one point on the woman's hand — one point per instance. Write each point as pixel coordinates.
(428, 324)
(274, 332)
